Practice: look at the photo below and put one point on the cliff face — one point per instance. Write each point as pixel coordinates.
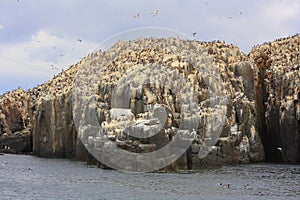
(278, 94)
(223, 65)
(54, 133)
(15, 124)
(14, 111)
(258, 103)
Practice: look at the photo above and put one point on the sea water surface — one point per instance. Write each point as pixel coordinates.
(29, 177)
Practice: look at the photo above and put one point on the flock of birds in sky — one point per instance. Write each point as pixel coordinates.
(136, 16)
(154, 13)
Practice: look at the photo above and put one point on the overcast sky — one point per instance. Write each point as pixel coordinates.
(40, 37)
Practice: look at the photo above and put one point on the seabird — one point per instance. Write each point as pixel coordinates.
(79, 40)
(137, 15)
(53, 67)
(154, 13)
(229, 17)
(225, 185)
(3, 165)
(194, 34)
(279, 149)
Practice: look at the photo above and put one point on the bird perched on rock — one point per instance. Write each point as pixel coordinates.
(279, 149)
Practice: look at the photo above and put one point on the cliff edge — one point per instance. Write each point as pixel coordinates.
(278, 94)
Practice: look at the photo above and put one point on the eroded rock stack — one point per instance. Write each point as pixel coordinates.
(15, 121)
(278, 94)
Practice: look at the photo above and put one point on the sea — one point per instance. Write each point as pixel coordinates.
(28, 177)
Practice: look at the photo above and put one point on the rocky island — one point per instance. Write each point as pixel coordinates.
(259, 93)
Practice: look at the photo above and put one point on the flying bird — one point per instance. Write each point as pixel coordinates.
(154, 13)
(79, 40)
(229, 17)
(53, 67)
(137, 15)
(241, 13)
(194, 34)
